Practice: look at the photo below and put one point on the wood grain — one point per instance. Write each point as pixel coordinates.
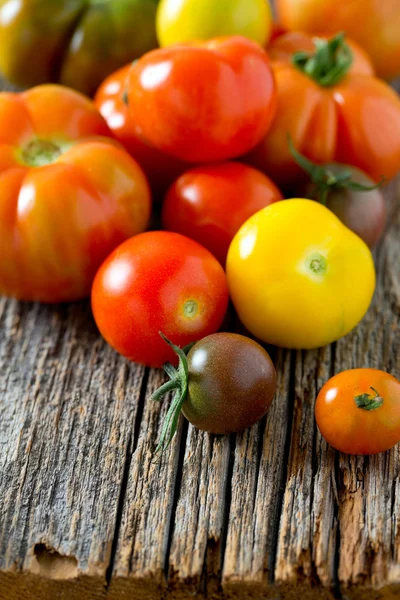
(86, 512)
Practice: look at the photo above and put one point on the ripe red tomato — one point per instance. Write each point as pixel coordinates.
(158, 281)
(206, 101)
(358, 411)
(111, 101)
(209, 204)
(67, 196)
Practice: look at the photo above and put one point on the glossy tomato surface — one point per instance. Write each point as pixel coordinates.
(74, 42)
(111, 101)
(283, 46)
(210, 203)
(358, 411)
(188, 20)
(203, 102)
(297, 276)
(158, 281)
(374, 25)
(67, 196)
(355, 121)
(232, 382)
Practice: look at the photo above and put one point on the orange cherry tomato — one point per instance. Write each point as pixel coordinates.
(332, 115)
(209, 204)
(284, 45)
(375, 25)
(68, 197)
(206, 101)
(358, 411)
(112, 102)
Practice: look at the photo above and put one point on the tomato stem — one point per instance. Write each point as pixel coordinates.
(369, 402)
(328, 177)
(329, 63)
(179, 381)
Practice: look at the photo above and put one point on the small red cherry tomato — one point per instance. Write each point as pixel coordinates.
(358, 411)
(209, 204)
(112, 103)
(205, 101)
(158, 281)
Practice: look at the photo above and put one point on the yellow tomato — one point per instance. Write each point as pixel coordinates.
(298, 277)
(185, 20)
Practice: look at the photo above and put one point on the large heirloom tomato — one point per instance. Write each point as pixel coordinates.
(297, 276)
(332, 115)
(67, 196)
(358, 411)
(203, 102)
(158, 281)
(210, 203)
(188, 20)
(288, 43)
(111, 101)
(74, 42)
(373, 24)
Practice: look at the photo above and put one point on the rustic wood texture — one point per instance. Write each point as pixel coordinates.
(86, 512)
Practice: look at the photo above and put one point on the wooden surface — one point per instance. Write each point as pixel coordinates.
(85, 513)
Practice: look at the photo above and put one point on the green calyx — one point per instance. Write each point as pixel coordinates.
(368, 401)
(179, 382)
(329, 63)
(328, 177)
(39, 152)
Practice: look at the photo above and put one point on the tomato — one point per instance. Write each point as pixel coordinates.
(67, 196)
(158, 281)
(210, 203)
(358, 411)
(188, 20)
(111, 101)
(374, 25)
(332, 115)
(225, 384)
(203, 102)
(74, 42)
(350, 194)
(297, 276)
(284, 45)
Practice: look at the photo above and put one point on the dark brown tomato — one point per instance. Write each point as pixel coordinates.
(364, 212)
(232, 382)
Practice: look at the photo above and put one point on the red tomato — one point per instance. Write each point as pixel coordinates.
(332, 115)
(209, 204)
(358, 411)
(158, 281)
(283, 47)
(112, 102)
(67, 196)
(203, 102)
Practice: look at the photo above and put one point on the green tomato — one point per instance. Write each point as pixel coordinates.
(185, 20)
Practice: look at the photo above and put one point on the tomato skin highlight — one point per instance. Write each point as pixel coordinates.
(232, 382)
(355, 430)
(210, 203)
(68, 197)
(110, 99)
(206, 101)
(305, 293)
(158, 281)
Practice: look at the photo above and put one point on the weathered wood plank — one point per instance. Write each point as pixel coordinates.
(68, 405)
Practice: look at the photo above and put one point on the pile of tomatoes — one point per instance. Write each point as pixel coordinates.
(164, 200)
